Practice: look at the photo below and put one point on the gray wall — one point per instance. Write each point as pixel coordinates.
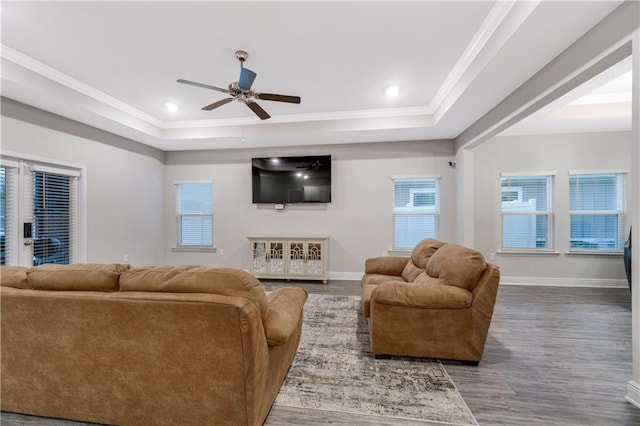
(358, 220)
(124, 180)
(131, 200)
(555, 153)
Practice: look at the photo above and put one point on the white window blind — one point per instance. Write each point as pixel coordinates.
(527, 211)
(194, 213)
(597, 208)
(55, 200)
(8, 215)
(416, 209)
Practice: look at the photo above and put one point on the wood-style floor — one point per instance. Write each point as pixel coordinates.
(554, 356)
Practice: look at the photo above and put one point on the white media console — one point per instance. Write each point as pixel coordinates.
(304, 257)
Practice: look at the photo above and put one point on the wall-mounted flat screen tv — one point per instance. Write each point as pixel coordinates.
(286, 180)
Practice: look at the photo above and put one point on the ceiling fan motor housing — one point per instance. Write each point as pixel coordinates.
(246, 78)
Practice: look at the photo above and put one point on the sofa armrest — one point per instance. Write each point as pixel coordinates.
(426, 296)
(485, 293)
(386, 265)
(285, 314)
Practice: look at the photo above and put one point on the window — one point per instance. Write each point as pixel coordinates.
(42, 198)
(194, 213)
(416, 207)
(597, 211)
(527, 211)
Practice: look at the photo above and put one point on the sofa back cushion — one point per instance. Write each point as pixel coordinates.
(456, 265)
(14, 276)
(76, 277)
(410, 272)
(197, 279)
(423, 251)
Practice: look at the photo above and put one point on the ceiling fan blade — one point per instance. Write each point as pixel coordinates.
(258, 110)
(206, 86)
(278, 98)
(217, 104)
(246, 78)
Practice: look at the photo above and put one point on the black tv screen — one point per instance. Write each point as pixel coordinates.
(285, 180)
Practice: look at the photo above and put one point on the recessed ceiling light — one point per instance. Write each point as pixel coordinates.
(392, 91)
(170, 106)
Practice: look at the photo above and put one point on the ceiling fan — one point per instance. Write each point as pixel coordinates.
(241, 91)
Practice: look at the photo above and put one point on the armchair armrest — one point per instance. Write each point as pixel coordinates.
(485, 293)
(386, 265)
(285, 314)
(427, 296)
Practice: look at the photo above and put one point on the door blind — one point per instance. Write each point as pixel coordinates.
(54, 217)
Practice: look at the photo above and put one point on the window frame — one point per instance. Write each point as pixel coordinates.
(179, 216)
(549, 213)
(620, 211)
(410, 210)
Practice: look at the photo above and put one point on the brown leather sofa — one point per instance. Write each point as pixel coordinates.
(438, 303)
(145, 346)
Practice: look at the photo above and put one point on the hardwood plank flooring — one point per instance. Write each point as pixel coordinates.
(554, 356)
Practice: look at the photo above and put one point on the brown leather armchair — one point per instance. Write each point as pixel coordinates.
(438, 303)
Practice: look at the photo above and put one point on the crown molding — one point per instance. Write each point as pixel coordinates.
(477, 44)
(52, 74)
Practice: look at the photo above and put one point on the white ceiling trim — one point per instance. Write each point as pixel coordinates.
(52, 74)
(479, 41)
(424, 114)
(600, 48)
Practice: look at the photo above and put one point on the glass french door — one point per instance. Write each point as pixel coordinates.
(38, 213)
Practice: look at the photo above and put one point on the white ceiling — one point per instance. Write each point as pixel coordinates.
(112, 65)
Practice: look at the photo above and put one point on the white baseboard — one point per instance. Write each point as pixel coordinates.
(347, 276)
(565, 282)
(633, 393)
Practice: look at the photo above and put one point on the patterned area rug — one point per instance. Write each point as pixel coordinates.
(334, 370)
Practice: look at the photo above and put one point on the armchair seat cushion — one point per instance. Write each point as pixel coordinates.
(375, 279)
(427, 296)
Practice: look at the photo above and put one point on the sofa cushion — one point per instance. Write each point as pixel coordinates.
(369, 279)
(456, 265)
(429, 296)
(76, 277)
(411, 271)
(423, 251)
(14, 276)
(197, 279)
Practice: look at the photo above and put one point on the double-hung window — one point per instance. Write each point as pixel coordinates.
(597, 207)
(416, 209)
(194, 214)
(527, 211)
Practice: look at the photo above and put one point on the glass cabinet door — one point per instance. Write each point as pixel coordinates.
(275, 258)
